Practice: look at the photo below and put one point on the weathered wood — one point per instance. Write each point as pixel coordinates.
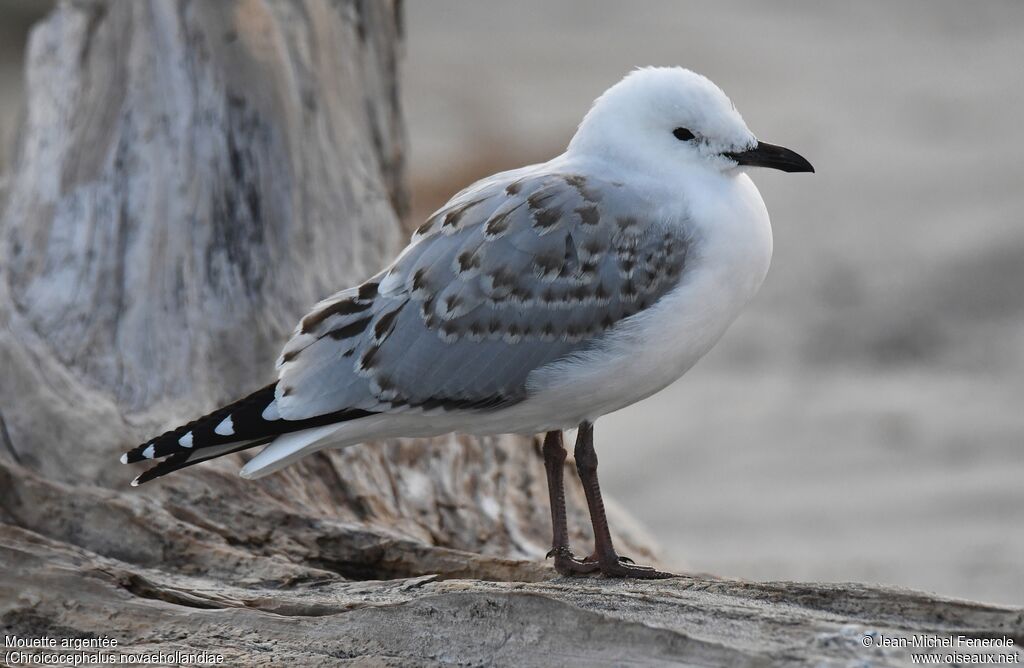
(190, 178)
(324, 620)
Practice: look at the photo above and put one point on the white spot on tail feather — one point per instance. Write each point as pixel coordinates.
(124, 458)
(135, 483)
(271, 413)
(149, 452)
(186, 440)
(225, 428)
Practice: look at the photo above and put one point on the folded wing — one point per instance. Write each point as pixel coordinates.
(512, 274)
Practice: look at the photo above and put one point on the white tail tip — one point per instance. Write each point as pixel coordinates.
(124, 458)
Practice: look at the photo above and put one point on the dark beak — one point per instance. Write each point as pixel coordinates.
(773, 157)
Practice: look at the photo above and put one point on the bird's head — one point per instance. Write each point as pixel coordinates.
(660, 117)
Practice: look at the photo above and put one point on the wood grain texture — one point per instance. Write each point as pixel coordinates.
(318, 619)
(190, 178)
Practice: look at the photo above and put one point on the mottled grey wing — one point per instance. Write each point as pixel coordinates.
(511, 275)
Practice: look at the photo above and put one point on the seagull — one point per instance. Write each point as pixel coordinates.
(536, 300)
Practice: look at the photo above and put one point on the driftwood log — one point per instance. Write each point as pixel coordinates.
(191, 177)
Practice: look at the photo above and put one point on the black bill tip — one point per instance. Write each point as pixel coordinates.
(772, 157)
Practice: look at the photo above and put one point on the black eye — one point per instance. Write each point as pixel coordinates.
(682, 134)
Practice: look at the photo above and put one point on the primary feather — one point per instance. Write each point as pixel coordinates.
(246, 423)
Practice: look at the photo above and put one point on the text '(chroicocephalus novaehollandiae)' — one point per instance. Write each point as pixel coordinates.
(534, 301)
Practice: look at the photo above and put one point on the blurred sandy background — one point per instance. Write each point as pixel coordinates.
(864, 419)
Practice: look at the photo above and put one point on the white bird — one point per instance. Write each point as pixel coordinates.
(535, 300)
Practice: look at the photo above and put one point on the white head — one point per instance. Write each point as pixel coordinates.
(660, 117)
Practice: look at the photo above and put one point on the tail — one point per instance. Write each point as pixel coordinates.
(247, 423)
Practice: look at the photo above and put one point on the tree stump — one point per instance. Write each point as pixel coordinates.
(189, 179)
